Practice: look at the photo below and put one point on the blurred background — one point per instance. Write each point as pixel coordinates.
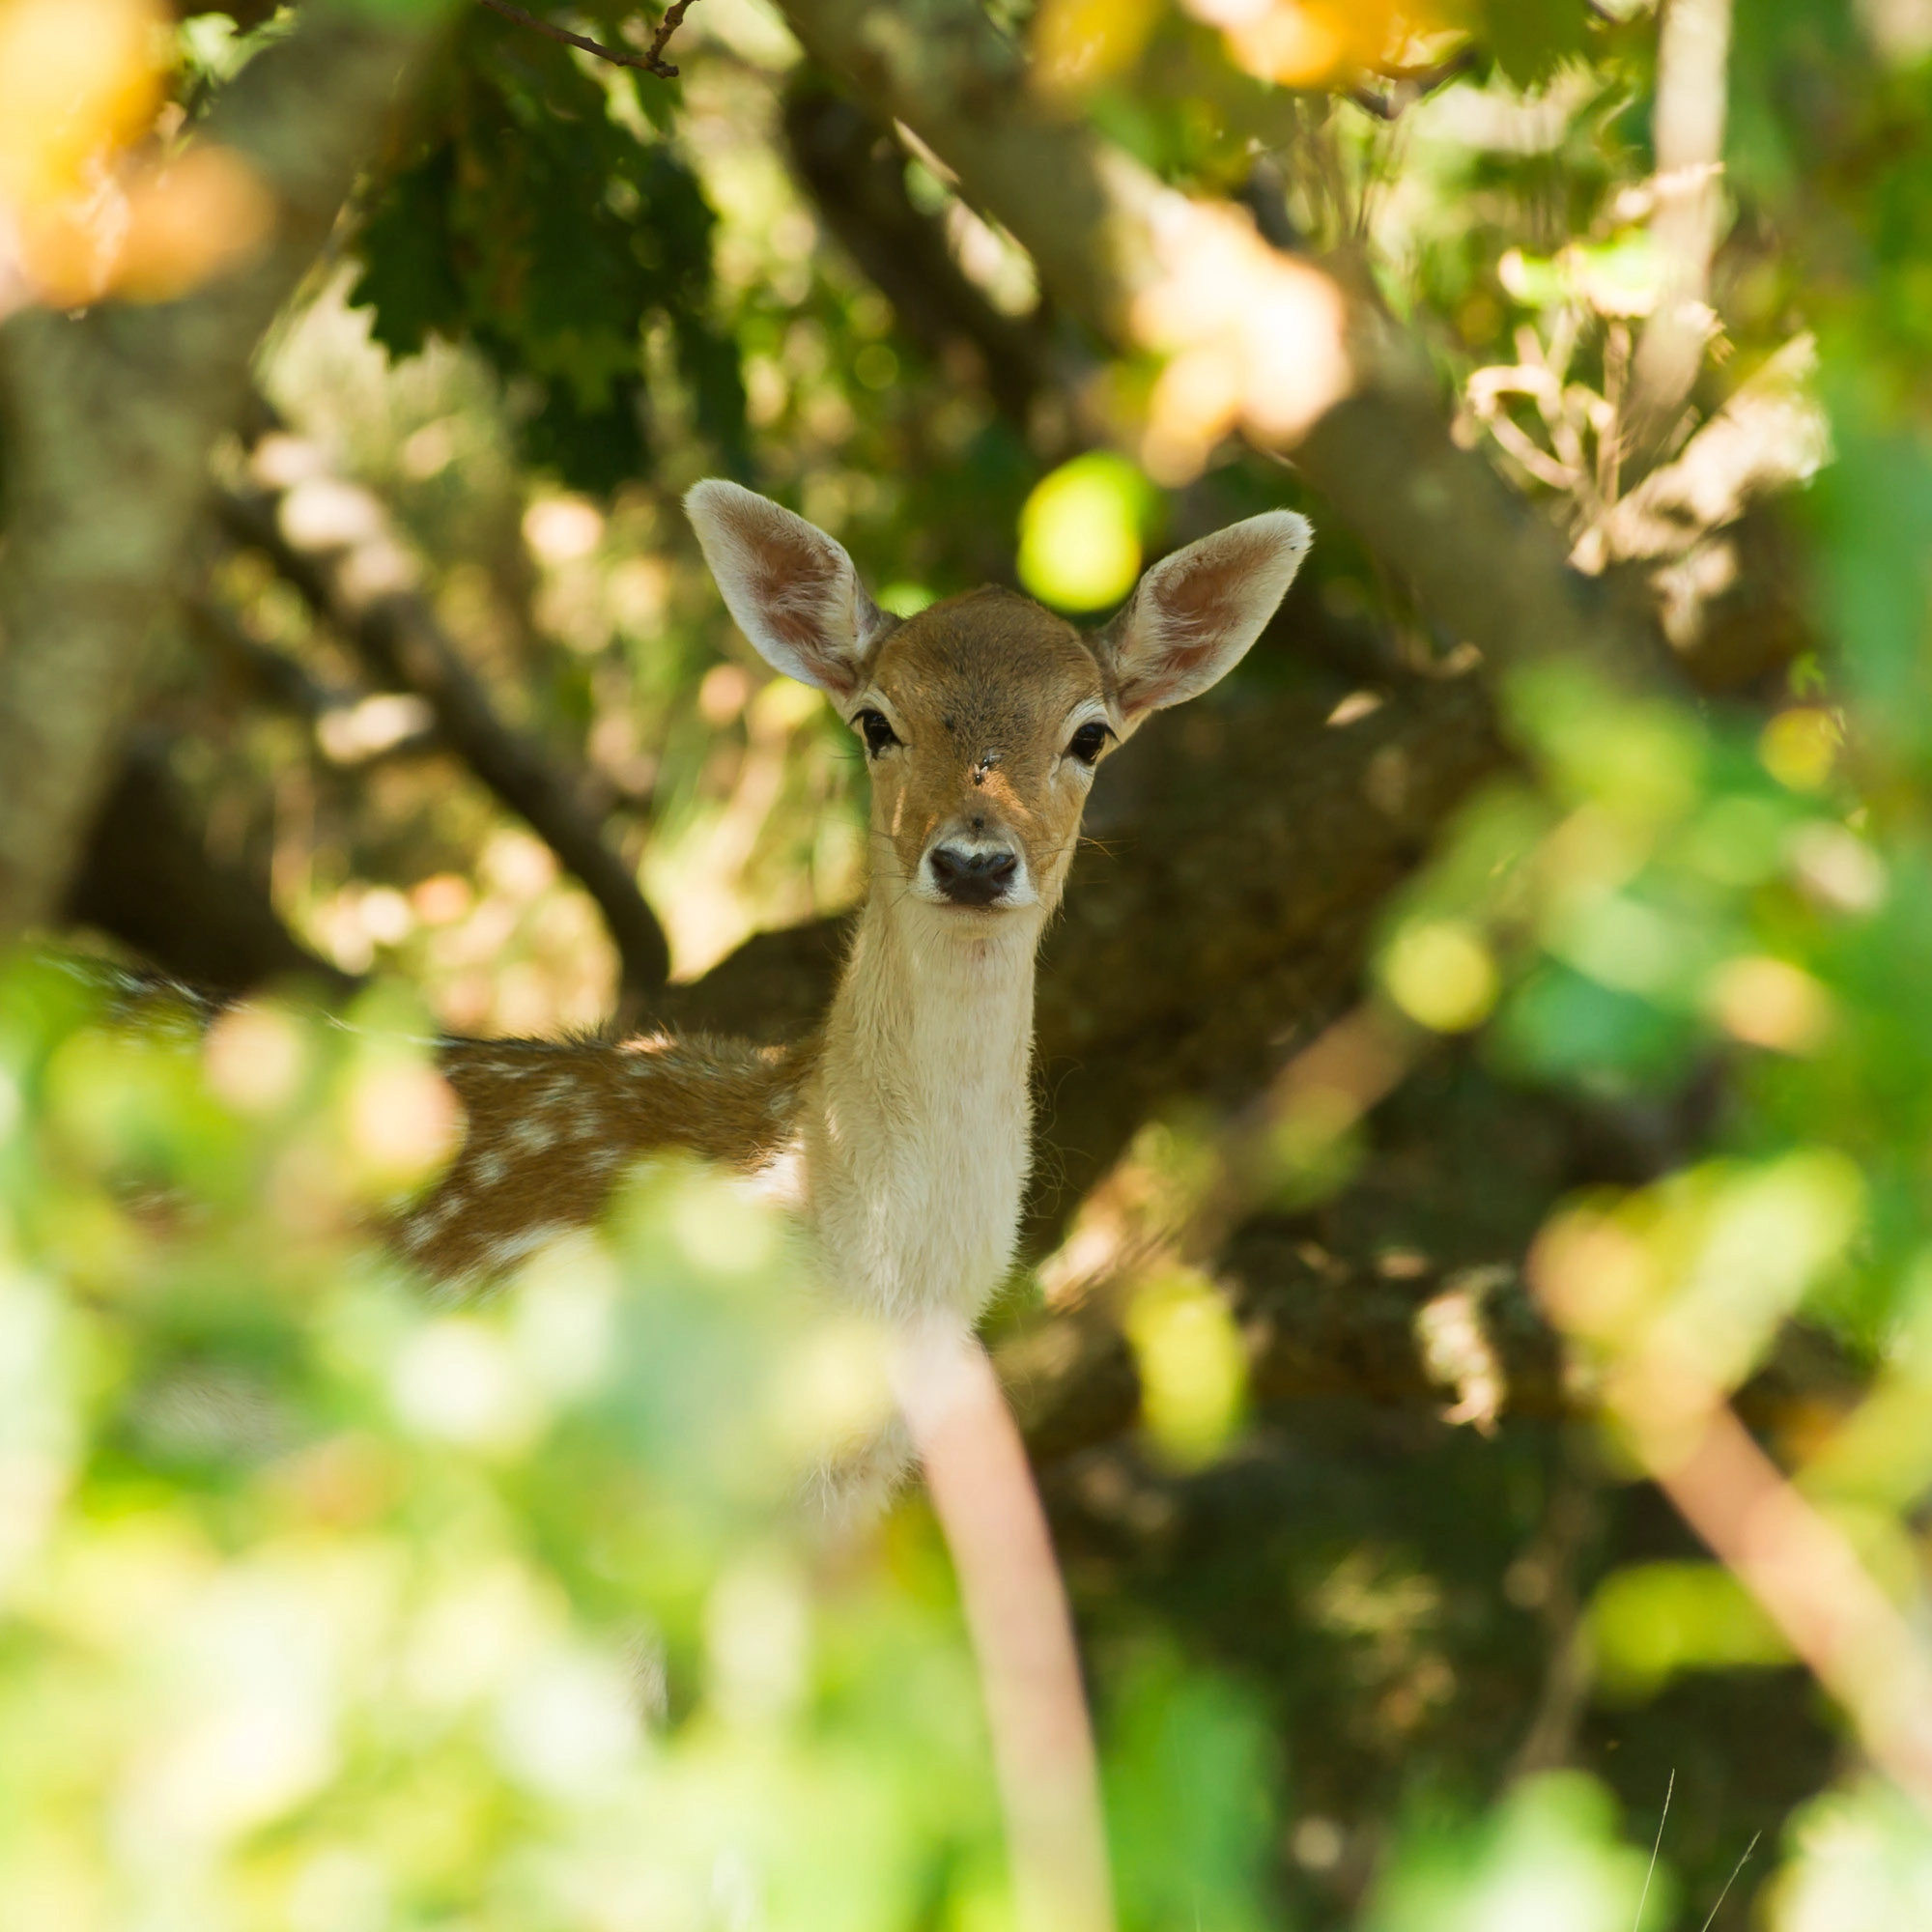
(1472, 1340)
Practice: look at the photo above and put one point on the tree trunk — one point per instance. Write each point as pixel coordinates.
(108, 420)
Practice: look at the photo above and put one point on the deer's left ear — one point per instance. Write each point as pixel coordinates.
(1194, 615)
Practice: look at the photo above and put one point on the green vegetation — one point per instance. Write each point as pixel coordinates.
(1473, 1346)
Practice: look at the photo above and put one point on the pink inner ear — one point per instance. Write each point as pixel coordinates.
(1209, 597)
(1197, 611)
(794, 582)
(1191, 612)
(795, 578)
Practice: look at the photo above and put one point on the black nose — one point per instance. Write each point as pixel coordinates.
(972, 878)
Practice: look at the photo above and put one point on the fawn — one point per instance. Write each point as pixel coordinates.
(899, 1132)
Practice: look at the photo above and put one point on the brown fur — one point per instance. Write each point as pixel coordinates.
(901, 1130)
(551, 1125)
(979, 688)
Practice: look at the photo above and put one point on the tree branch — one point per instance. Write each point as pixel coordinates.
(329, 711)
(354, 590)
(854, 170)
(146, 877)
(651, 60)
(1337, 1302)
(108, 418)
(1688, 129)
(1409, 84)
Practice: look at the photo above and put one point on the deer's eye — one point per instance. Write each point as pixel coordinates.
(880, 735)
(1089, 742)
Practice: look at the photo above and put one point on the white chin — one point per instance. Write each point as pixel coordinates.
(965, 908)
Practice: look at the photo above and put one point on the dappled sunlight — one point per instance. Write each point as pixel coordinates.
(1304, 42)
(739, 837)
(1255, 339)
(1080, 533)
(703, 870)
(90, 204)
(1193, 1367)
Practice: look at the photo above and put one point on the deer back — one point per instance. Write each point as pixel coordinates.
(551, 1125)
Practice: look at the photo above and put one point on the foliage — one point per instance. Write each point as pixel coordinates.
(322, 1606)
(1550, 1856)
(326, 1605)
(543, 214)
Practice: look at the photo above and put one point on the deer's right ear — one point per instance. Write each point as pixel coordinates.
(791, 588)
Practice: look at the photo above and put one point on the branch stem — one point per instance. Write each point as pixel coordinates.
(1022, 1633)
(651, 61)
(396, 636)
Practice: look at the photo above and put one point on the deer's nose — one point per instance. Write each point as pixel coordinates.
(972, 878)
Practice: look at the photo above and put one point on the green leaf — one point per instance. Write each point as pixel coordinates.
(1548, 1856)
(409, 279)
(533, 220)
(1530, 39)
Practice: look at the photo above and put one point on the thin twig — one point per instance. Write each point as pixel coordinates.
(1427, 74)
(1409, 84)
(651, 61)
(1731, 1881)
(1569, 1521)
(1663, 1818)
(1806, 1574)
(673, 19)
(1022, 1633)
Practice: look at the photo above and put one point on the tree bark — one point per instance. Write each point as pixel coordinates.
(854, 168)
(109, 419)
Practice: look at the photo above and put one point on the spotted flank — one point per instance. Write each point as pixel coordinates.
(551, 1124)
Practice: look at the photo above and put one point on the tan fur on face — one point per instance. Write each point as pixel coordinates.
(984, 690)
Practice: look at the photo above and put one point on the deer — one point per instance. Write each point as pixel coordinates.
(900, 1131)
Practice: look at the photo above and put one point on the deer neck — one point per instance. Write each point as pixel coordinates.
(916, 1133)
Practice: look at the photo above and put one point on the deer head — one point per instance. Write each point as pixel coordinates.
(985, 716)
